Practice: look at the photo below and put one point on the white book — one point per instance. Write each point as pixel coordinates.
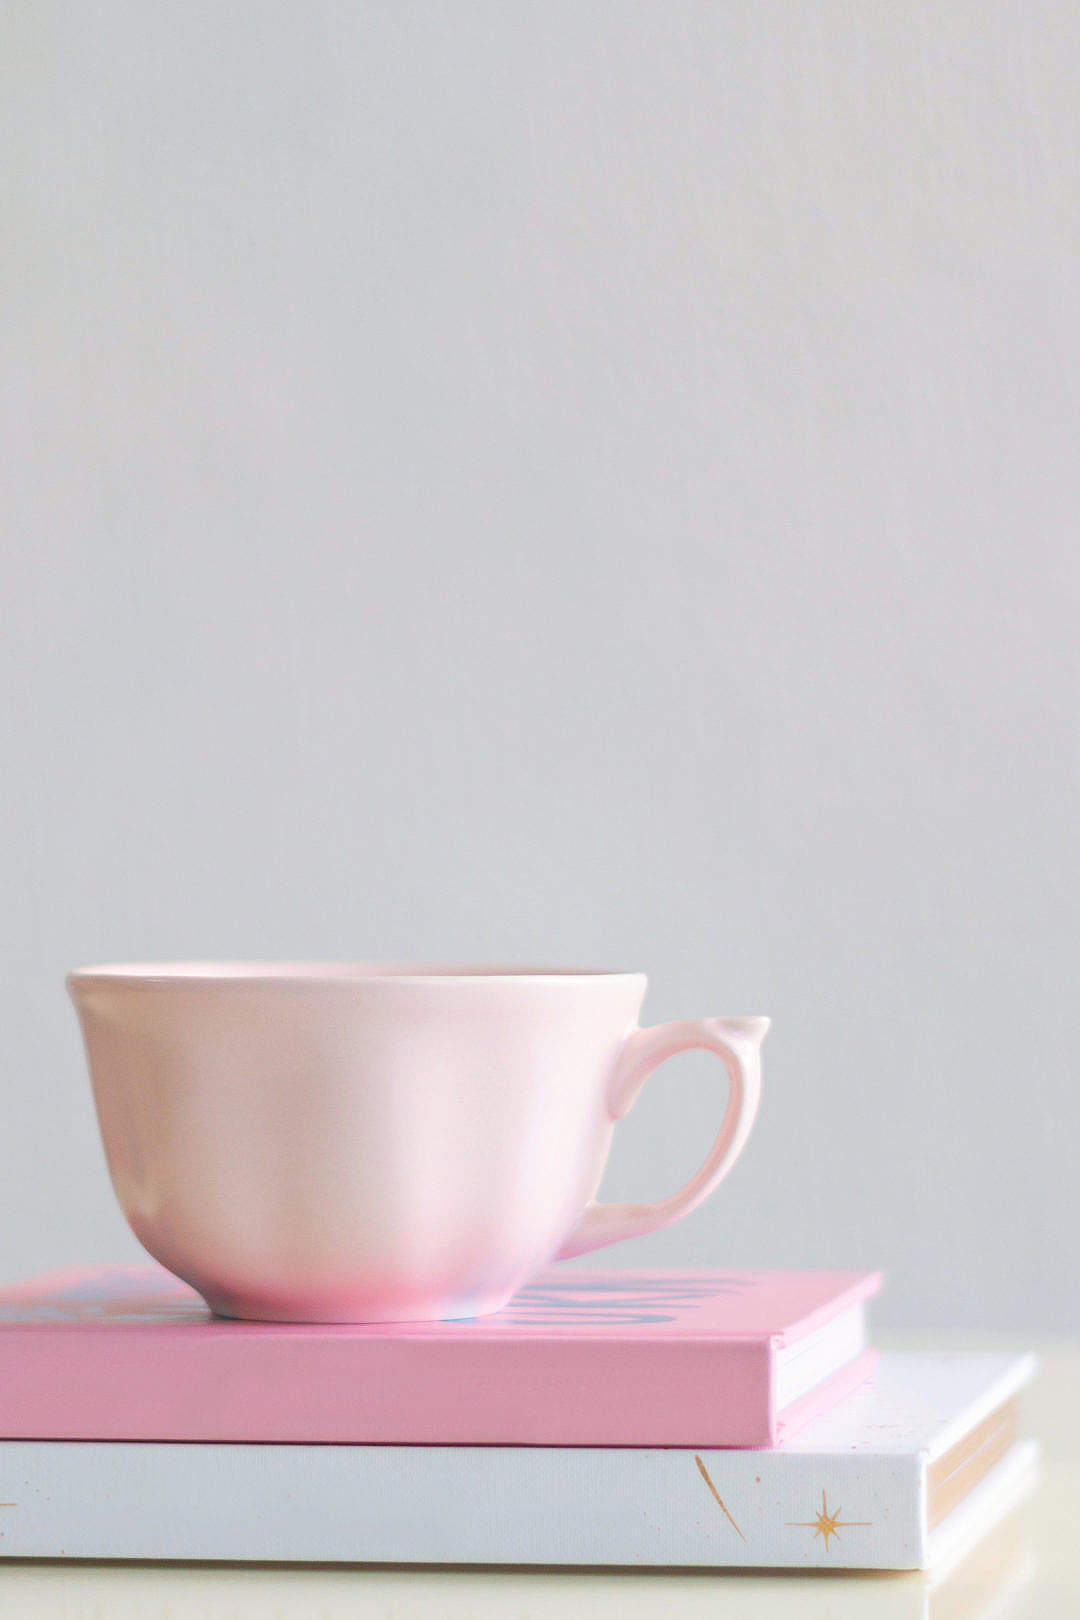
(903, 1474)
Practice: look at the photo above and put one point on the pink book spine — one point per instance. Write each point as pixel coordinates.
(264, 1389)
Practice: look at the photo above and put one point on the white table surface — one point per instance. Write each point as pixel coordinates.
(1029, 1566)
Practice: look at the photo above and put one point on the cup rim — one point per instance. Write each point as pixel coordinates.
(305, 975)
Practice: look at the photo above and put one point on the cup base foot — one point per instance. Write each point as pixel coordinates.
(245, 1308)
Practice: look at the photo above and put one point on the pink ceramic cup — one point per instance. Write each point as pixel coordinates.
(323, 1143)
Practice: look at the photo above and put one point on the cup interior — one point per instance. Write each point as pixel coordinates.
(321, 972)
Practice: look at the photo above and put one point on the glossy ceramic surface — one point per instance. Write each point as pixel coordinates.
(346, 1143)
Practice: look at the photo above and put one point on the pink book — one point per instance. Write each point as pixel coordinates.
(585, 1358)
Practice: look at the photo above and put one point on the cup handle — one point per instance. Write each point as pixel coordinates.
(737, 1043)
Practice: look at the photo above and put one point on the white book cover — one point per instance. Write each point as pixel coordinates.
(902, 1475)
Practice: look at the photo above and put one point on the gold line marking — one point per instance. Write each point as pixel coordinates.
(704, 1472)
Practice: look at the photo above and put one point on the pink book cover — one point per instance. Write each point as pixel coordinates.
(594, 1358)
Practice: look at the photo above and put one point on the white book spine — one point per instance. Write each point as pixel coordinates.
(463, 1505)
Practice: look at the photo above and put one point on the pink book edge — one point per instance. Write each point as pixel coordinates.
(864, 1286)
(829, 1393)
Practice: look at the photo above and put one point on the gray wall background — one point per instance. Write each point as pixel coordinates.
(587, 482)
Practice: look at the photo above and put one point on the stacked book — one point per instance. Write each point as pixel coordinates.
(604, 1418)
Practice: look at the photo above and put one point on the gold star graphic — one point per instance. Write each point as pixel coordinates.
(829, 1524)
